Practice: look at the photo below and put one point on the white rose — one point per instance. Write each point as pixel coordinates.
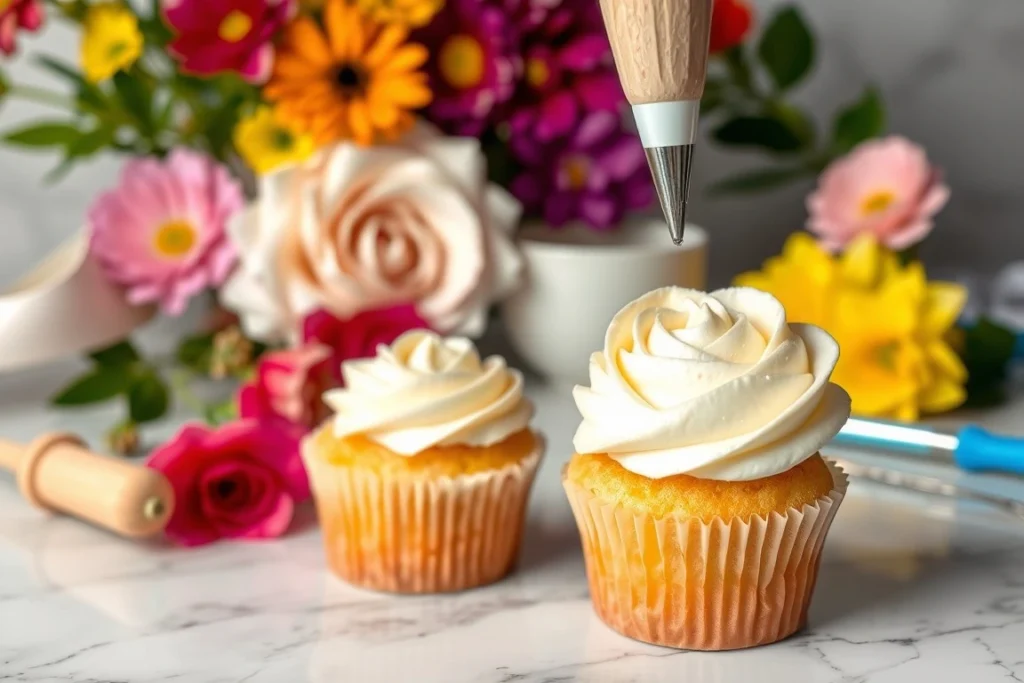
(360, 228)
(716, 386)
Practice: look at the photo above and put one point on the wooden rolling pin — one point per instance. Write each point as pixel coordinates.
(58, 472)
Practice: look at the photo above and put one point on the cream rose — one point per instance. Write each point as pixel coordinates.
(360, 228)
(714, 385)
(425, 391)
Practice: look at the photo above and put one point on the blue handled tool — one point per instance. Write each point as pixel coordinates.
(972, 448)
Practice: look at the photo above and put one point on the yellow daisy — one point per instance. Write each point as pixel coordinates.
(891, 323)
(265, 142)
(111, 41)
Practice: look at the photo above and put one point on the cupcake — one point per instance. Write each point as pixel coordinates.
(697, 485)
(421, 476)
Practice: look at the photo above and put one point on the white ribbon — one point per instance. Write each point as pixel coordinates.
(64, 306)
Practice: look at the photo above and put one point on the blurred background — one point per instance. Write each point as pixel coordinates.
(950, 72)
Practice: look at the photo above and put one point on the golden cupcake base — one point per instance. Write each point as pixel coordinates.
(703, 585)
(408, 533)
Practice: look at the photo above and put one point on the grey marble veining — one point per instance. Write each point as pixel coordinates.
(912, 588)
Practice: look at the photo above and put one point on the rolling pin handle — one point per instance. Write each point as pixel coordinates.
(34, 454)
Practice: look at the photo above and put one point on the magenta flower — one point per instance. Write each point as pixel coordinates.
(473, 65)
(567, 68)
(161, 232)
(26, 15)
(596, 174)
(883, 187)
(289, 387)
(360, 335)
(213, 36)
(241, 480)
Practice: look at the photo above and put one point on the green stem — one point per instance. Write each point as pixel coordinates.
(40, 95)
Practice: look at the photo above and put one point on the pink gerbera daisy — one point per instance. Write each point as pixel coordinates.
(161, 232)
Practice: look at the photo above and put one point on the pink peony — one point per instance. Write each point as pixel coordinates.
(360, 335)
(160, 233)
(884, 187)
(241, 480)
(26, 15)
(227, 35)
(289, 386)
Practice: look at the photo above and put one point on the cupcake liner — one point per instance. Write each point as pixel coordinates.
(409, 534)
(684, 583)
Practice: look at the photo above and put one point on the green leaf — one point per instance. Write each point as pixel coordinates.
(217, 414)
(862, 120)
(101, 384)
(758, 131)
(756, 181)
(91, 142)
(195, 352)
(148, 397)
(787, 48)
(712, 99)
(987, 351)
(52, 134)
(88, 94)
(119, 355)
(797, 121)
(136, 98)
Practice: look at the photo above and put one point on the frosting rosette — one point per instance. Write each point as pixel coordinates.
(425, 390)
(717, 386)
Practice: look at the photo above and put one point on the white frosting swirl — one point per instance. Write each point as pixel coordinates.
(424, 391)
(716, 386)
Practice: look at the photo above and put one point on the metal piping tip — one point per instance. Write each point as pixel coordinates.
(670, 168)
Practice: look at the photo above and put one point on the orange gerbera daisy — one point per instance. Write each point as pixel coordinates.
(356, 79)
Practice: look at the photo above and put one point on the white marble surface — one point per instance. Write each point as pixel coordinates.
(912, 589)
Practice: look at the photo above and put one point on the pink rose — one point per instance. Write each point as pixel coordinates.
(361, 228)
(241, 480)
(289, 386)
(883, 187)
(360, 335)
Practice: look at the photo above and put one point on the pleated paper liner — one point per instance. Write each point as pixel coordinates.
(683, 583)
(408, 534)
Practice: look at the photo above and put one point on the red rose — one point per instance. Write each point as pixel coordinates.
(360, 335)
(241, 480)
(730, 23)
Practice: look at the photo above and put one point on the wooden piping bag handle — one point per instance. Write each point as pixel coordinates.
(58, 472)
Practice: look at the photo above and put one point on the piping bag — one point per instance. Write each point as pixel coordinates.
(661, 54)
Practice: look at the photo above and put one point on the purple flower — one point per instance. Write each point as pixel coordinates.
(596, 174)
(473, 64)
(567, 67)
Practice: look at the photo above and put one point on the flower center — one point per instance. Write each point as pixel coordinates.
(886, 355)
(235, 26)
(281, 139)
(5, 4)
(537, 72)
(577, 170)
(117, 49)
(175, 238)
(461, 62)
(350, 79)
(877, 202)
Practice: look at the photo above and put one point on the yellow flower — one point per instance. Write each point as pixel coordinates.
(265, 141)
(111, 41)
(892, 325)
(413, 13)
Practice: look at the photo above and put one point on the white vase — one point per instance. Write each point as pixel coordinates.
(577, 280)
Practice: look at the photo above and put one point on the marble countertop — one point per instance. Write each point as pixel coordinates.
(911, 588)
